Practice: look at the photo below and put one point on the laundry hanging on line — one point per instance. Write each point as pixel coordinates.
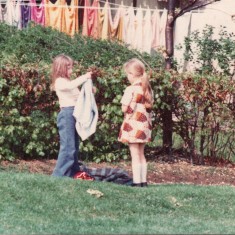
(144, 31)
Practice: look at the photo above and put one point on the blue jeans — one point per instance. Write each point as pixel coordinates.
(67, 162)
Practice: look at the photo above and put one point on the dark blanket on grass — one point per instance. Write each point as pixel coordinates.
(114, 175)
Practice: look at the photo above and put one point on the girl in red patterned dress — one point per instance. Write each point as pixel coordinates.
(136, 128)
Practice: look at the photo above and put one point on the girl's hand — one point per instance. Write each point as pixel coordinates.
(89, 75)
(95, 72)
(94, 90)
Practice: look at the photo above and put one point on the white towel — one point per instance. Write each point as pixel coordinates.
(85, 111)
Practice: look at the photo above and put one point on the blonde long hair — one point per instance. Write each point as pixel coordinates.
(60, 67)
(137, 68)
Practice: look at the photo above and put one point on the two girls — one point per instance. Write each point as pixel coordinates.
(137, 102)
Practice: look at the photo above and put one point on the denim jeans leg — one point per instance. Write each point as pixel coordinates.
(76, 167)
(69, 143)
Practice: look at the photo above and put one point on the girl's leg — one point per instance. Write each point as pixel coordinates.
(135, 162)
(76, 166)
(68, 151)
(143, 164)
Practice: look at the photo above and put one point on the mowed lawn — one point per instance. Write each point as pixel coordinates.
(40, 204)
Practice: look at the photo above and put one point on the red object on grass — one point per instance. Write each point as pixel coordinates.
(82, 175)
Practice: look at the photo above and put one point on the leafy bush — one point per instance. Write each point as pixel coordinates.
(204, 112)
(28, 119)
(200, 102)
(210, 54)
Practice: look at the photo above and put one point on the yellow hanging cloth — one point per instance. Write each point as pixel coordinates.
(54, 14)
(70, 24)
(104, 21)
(116, 24)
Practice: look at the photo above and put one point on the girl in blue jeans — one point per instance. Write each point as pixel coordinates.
(67, 92)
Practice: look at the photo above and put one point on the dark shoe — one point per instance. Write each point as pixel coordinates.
(136, 185)
(145, 184)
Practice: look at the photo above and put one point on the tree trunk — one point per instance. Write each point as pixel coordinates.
(167, 114)
(169, 33)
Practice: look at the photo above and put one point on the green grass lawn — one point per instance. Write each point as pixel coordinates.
(39, 204)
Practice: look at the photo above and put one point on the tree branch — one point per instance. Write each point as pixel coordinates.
(185, 8)
(188, 8)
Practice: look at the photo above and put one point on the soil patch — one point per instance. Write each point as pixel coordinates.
(159, 172)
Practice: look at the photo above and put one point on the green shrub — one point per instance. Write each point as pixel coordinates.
(29, 109)
(205, 116)
(210, 54)
(28, 120)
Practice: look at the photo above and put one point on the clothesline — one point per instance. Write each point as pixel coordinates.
(115, 4)
(122, 5)
(111, 8)
(81, 7)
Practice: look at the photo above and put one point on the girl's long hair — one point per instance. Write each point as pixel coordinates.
(60, 68)
(137, 68)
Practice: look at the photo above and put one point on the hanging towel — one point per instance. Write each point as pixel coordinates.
(162, 36)
(38, 12)
(91, 19)
(147, 32)
(70, 21)
(116, 24)
(129, 27)
(138, 39)
(85, 111)
(156, 21)
(104, 21)
(54, 14)
(3, 11)
(13, 14)
(25, 15)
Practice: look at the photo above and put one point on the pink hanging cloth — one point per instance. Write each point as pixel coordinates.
(90, 19)
(38, 12)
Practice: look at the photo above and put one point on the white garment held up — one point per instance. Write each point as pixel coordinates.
(85, 111)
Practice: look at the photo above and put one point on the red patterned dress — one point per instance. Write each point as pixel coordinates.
(137, 123)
